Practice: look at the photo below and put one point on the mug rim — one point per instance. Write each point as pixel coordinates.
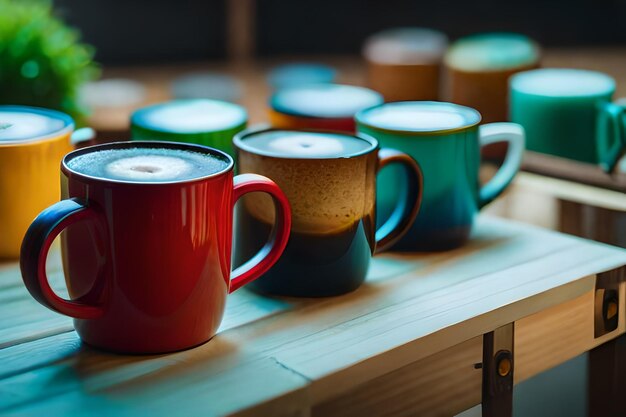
(66, 118)
(277, 105)
(275, 74)
(515, 79)
(528, 62)
(146, 144)
(240, 138)
(137, 117)
(359, 118)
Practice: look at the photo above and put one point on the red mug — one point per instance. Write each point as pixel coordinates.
(147, 264)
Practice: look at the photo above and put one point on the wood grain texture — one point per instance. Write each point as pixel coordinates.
(607, 379)
(593, 222)
(582, 210)
(555, 335)
(307, 352)
(443, 384)
(574, 171)
(571, 191)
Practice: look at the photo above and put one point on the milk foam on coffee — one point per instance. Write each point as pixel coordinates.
(323, 176)
(492, 51)
(294, 144)
(20, 126)
(563, 82)
(191, 116)
(325, 100)
(420, 116)
(407, 45)
(146, 164)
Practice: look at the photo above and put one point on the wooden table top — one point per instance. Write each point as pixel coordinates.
(278, 356)
(255, 91)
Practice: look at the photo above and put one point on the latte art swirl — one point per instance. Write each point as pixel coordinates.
(294, 144)
(147, 164)
(306, 145)
(22, 125)
(149, 167)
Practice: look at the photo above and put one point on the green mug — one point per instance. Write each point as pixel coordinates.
(201, 121)
(445, 139)
(569, 113)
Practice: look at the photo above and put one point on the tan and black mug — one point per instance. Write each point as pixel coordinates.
(330, 181)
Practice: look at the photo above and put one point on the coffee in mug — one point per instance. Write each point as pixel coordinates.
(147, 243)
(320, 106)
(200, 121)
(330, 181)
(32, 144)
(295, 74)
(446, 140)
(569, 113)
(146, 164)
(405, 63)
(479, 67)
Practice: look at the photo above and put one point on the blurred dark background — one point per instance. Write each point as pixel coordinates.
(144, 31)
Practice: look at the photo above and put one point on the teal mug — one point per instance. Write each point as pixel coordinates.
(569, 113)
(201, 121)
(445, 140)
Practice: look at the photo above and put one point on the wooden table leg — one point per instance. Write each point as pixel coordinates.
(498, 366)
(607, 362)
(607, 379)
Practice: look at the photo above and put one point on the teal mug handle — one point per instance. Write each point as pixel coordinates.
(81, 135)
(610, 134)
(514, 135)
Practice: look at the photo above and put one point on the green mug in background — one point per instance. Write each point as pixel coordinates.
(445, 139)
(569, 113)
(200, 121)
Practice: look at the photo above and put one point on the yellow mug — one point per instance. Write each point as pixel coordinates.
(32, 143)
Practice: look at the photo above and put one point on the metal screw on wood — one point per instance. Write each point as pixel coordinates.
(504, 363)
(610, 309)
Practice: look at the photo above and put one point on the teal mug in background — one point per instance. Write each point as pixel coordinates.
(569, 113)
(201, 121)
(445, 140)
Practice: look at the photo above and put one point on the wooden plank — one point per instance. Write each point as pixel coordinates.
(364, 347)
(39, 353)
(228, 387)
(448, 383)
(443, 384)
(574, 171)
(558, 334)
(24, 319)
(498, 367)
(607, 379)
(593, 222)
(412, 307)
(491, 248)
(386, 271)
(571, 191)
(46, 335)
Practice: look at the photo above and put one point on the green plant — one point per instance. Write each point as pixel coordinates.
(42, 62)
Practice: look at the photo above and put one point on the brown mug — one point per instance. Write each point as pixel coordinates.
(405, 63)
(478, 69)
(330, 181)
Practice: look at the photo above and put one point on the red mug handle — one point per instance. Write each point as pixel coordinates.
(34, 252)
(271, 251)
